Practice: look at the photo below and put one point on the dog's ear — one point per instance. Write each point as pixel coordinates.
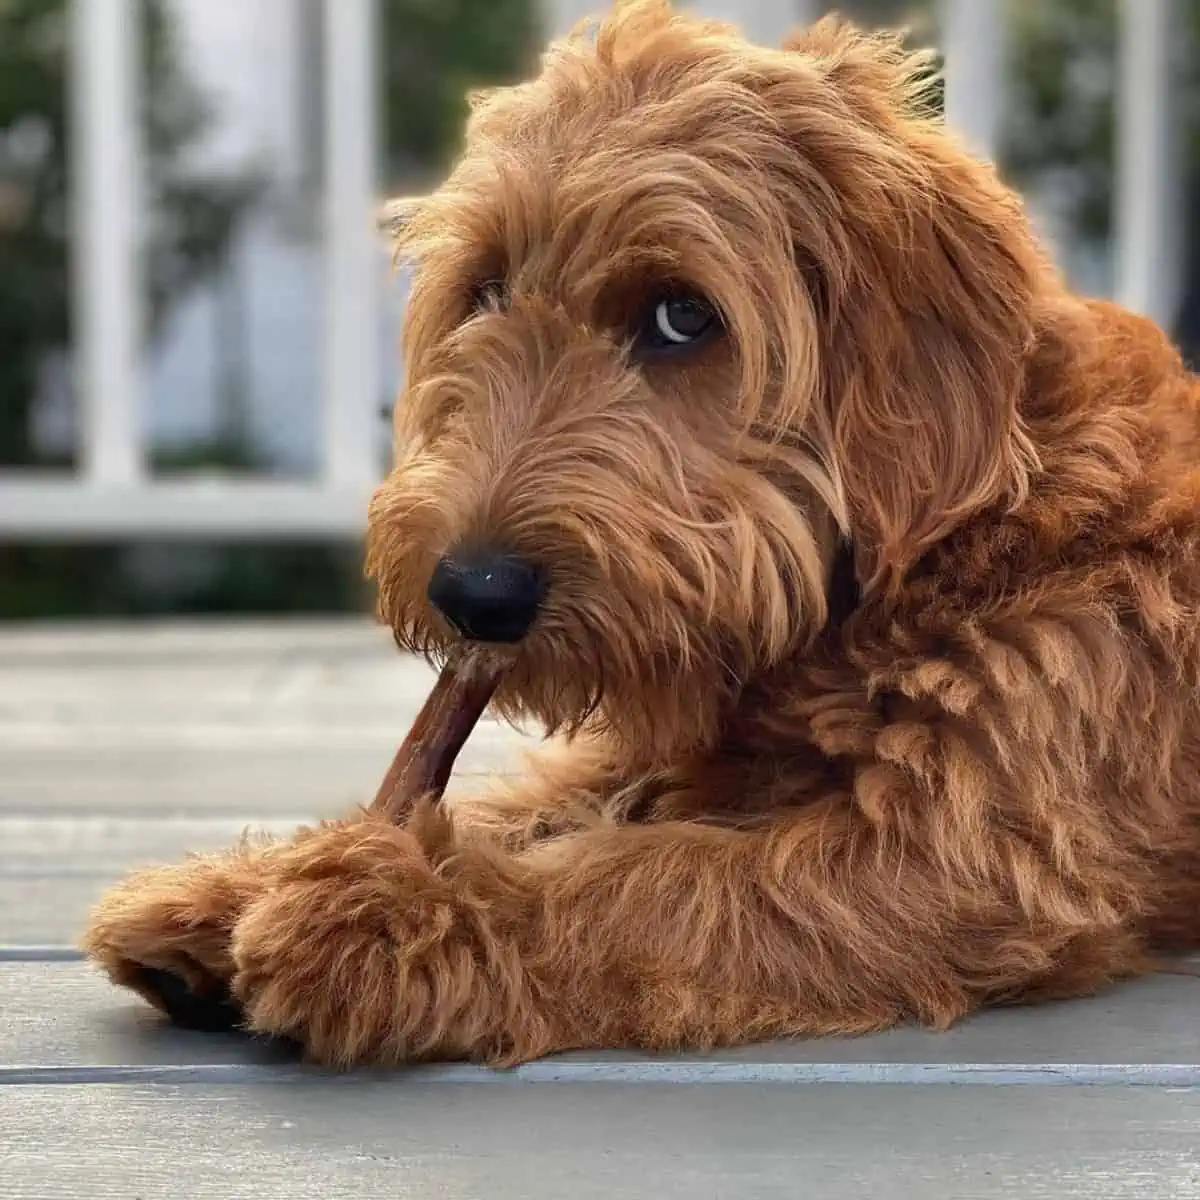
(402, 221)
(923, 278)
(395, 216)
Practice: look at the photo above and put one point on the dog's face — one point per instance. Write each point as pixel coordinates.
(686, 313)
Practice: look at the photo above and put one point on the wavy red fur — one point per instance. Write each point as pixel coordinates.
(980, 786)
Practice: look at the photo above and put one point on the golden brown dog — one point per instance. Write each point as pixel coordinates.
(854, 559)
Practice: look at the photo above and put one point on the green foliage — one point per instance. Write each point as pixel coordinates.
(433, 52)
(194, 218)
(33, 294)
(1064, 65)
(111, 580)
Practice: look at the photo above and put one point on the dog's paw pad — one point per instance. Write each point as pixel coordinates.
(213, 1011)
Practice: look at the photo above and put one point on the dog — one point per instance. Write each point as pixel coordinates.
(851, 559)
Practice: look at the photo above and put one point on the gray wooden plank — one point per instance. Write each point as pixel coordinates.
(181, 638)
(640, 1143)
(32, 846)
(55, 707)
(236, 718)
(225, 670)
(53, 869)
(61, 1016)
(230, 672)
(47, 911)
(248, 781)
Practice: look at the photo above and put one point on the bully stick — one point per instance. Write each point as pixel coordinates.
(426, 757)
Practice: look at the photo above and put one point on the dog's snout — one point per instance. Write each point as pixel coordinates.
(487, 596)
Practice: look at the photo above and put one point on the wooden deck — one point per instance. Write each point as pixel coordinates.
(132, 745)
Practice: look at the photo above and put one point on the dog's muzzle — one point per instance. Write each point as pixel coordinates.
(487, 596)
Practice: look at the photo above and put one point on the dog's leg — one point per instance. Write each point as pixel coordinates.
(164, 932)
(382, 945)
(565, 787)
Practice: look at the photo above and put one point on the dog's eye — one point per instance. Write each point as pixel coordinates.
(676, 321)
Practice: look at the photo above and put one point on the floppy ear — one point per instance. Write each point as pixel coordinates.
(394, 216)
(924, 280)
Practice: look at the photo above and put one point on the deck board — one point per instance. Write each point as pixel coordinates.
(314, 1142)
(244, 782)
(123, 746)
(1144, 1031)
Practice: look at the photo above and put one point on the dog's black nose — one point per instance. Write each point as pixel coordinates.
(487, 596)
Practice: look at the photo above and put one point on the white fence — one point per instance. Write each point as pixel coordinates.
(113, 496)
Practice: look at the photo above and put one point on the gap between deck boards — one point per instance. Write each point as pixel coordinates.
(1145, 1021)
(684, 1072)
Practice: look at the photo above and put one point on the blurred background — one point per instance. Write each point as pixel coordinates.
(198, 323)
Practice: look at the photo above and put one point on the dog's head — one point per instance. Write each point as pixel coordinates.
(687, 315)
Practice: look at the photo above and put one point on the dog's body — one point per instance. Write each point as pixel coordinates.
(867, 585)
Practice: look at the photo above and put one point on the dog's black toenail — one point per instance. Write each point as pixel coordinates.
(213, 1012)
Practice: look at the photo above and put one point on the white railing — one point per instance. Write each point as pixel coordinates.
(1148, 255)
(113, 495)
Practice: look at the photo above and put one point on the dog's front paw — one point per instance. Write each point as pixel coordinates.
(164, 932)
(363, 954)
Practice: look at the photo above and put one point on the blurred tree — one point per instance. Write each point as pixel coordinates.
(1060, 124)
(433, 51)
(192, 218)
(1061, 112)
(1062, 118)
(190, 223)
(1063, 101)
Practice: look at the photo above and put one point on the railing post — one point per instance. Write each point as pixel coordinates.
(973, 41)
(106, 201)
(1145, 255)
(351, 393)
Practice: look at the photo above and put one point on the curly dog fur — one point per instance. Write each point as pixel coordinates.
(870, 640)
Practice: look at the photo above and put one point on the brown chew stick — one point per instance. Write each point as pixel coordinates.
(426, 757)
